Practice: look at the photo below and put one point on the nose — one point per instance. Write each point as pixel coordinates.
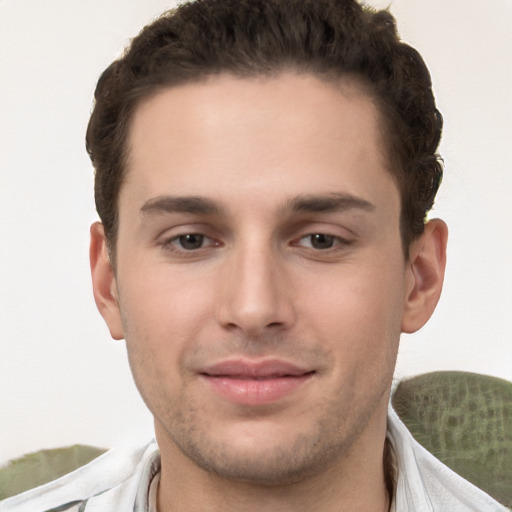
(255, 295)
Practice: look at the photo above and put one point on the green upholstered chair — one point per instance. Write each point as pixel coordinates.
(43, 466)
(464, 419)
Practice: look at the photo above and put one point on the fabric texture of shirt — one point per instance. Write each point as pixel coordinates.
(126, 480)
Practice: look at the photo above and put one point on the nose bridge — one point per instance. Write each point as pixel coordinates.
(254, 296)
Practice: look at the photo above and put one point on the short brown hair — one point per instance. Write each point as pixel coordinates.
(327, 38)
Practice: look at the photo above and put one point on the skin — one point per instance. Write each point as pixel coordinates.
(275, 169)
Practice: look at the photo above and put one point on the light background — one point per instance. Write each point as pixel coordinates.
(62, 380)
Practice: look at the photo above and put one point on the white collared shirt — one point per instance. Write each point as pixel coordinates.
(126, 480)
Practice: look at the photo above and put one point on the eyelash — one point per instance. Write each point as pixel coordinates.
(336, 243)
(170, 243)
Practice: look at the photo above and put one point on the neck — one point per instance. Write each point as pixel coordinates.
(360, 481)
(247, 498)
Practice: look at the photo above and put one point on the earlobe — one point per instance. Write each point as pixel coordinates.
(425, 275)
(104, 282)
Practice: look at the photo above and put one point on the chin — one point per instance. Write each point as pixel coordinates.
(265, 456)
(276, 467)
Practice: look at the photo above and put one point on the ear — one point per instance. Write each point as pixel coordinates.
(104, 281)
(425, 275)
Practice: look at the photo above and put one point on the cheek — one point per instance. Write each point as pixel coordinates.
(163, 298)
(357, 311)
(161, 314)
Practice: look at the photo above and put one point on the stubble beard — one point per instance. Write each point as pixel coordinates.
(330, 433)
(305, 455)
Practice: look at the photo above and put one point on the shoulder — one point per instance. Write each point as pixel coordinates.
(112, 479)
(425, 484)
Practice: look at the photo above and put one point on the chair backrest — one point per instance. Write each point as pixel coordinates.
(43, 466)
(465, 420)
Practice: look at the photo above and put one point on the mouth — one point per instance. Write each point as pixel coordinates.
(253, 383)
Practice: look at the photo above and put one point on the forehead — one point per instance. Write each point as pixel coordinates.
(240, 136)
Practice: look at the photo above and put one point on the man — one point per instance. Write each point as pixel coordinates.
(263, 173)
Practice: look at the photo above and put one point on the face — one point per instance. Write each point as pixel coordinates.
(260, 280)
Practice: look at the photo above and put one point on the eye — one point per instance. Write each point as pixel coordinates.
(190, 242)
(319, 241)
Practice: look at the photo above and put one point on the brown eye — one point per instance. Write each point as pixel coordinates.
(191, 241)
(322, 241)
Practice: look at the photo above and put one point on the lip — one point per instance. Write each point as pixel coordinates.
(253, 383)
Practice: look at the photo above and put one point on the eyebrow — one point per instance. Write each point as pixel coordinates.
(180, 204)
(334, 202)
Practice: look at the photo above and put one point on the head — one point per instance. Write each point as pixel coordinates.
(330, 39)
(262, 168)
